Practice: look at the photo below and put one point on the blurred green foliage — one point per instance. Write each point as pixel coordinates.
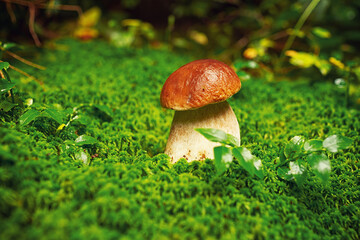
(325, 46)
(230, 25)
(120, 185)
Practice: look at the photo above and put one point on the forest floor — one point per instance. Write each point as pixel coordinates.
(116, 183)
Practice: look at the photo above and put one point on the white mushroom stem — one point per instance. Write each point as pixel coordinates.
(185, 142)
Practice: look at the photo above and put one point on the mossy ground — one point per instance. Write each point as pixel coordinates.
(131, 191)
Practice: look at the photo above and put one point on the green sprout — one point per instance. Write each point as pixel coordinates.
(230, 147)
(296, 160)
(6, 84)
(300, 156)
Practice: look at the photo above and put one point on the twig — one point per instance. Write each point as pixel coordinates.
(28, 75)
(40, 4)
(11, 12)
(242, 42)
(27, 62)
(32, 11)
(7, 77)
(32, 5)
(278, 35)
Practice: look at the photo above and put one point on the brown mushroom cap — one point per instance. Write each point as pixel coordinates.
(198, 84)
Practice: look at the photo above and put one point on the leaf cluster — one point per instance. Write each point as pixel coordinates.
(300, 157)
(230, 148)
(79, 148)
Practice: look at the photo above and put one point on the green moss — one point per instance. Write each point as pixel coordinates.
(131, 191)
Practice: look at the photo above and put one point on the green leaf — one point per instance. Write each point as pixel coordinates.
(5, 86)
(83, 119)
(54, 114)
(321, 32)
(313, 145)
(300, 178)
(28, 102)
(334, 143)
(251, 64)
(323, 66)
(294, 147)
(29, 116)
(245, 163)
(249, 162)
(4, 65)
(6, 106)
(243, 75)
(259, 173)
(282, 157)
(297, 170)
(217, 135)
(83, 157)
(340, 83)
(104, 109)
(320, 165)
(240, 64)
(85, 140)
(302, 59)
(296, 32)
(356, 70)
(9, 45)
(69, 142)
(223, 158)
(283, 173)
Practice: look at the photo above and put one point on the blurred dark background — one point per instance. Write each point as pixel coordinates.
(229, 30)
(225, 23)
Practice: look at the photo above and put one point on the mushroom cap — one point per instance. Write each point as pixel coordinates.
(198, 84)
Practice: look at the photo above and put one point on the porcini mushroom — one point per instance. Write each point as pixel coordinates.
(198, 92)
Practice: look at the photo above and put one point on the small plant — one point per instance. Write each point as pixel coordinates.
(5, 84)
(230, 147)
(58, 116)
(297, 159)
(5, 48)
(300, 156)
(241, 65)
(80, 148)
(32, 114)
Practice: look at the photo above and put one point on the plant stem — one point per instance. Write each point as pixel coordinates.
(298, 26)
(349, 74)
(169, 30)
(280, 164)
(300, 155)
(23, 60)
(347, 88)
(7, 77)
